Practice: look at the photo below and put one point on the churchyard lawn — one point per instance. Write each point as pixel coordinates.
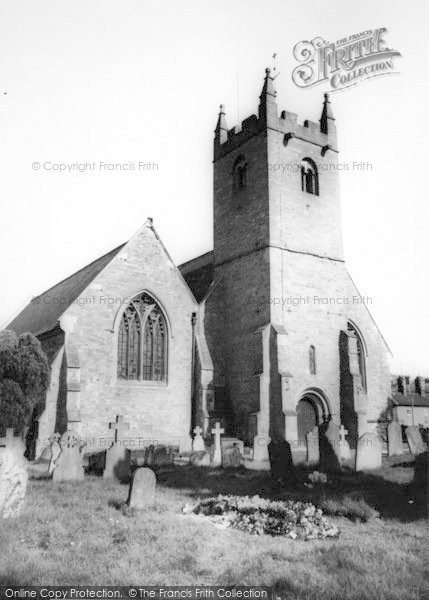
(80, 533)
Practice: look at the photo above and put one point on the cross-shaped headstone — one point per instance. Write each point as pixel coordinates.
(198, 442)
(120, 427)
(343, 432)
(217, 431)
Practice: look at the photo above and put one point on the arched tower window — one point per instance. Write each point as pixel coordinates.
(312, 359)
(309, 177)
(361, 354)
(142, 341)
(239, 174)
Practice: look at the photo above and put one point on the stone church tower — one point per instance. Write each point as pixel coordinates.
(286, 341)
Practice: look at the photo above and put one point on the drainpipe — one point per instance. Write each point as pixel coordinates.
(193, 386)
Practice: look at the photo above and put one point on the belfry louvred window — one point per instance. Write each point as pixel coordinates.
(142, 341)
(309, 177)
(239, 174)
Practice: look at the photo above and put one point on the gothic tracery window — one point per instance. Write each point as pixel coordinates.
(309, 177)
(239, 174)
(361, 354)
(142, 341)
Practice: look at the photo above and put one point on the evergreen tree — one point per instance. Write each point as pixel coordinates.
(24, 378)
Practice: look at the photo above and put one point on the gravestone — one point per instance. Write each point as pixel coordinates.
(343, 444)
(69, 462)
(200, 459)
(149, 455)
(394, 438)
(118, 462)
(162, 456)
(232, 442)
(217, 431)
(313, 446)
(329, 448)
(142, 489)
(415, 441)
(55, 449)
(15, 445)
(198, 442)
(280, 459)
(368, 452)
(13, 484)
(231, 457)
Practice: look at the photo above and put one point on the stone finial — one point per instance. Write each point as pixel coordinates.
(149, 222)
(326, 115)
(221, 131)
(267, 99)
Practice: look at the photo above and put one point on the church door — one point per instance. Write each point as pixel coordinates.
(307, 418)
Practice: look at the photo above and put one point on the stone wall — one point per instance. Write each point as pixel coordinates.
(158, 412)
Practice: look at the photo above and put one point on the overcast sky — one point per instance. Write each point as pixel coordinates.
(139, 81)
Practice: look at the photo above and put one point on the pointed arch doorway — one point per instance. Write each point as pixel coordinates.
(312, 411)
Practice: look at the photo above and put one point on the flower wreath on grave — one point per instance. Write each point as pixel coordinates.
(296, 519)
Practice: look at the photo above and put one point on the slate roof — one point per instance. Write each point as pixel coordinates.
(410, 399)
(198, 274)
(43, 312)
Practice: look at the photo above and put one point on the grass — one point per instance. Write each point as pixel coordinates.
(80, 534)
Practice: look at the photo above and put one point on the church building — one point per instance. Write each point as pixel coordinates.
(266, 334)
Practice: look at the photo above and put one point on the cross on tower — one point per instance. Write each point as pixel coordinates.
(120, 427)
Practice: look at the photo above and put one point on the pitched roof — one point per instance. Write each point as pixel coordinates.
(198, 274)
(43, 312)
(410, 400)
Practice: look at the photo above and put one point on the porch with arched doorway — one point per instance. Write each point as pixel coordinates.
(312, 411)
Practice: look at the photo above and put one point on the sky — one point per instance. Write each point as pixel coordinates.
(140, 81)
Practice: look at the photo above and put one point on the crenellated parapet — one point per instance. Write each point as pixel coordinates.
(322, 133)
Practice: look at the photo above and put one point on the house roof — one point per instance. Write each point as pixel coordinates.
(43, 312)
(198, 274)
(410, 400)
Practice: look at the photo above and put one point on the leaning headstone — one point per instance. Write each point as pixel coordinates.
(368, 452)
(231, 457)
(118, 460)
(217, 431)
(313, 446)
(69, 462)
(198, 442)
(142, 488)
(394, 438)
(13, 484)
(415, 441)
